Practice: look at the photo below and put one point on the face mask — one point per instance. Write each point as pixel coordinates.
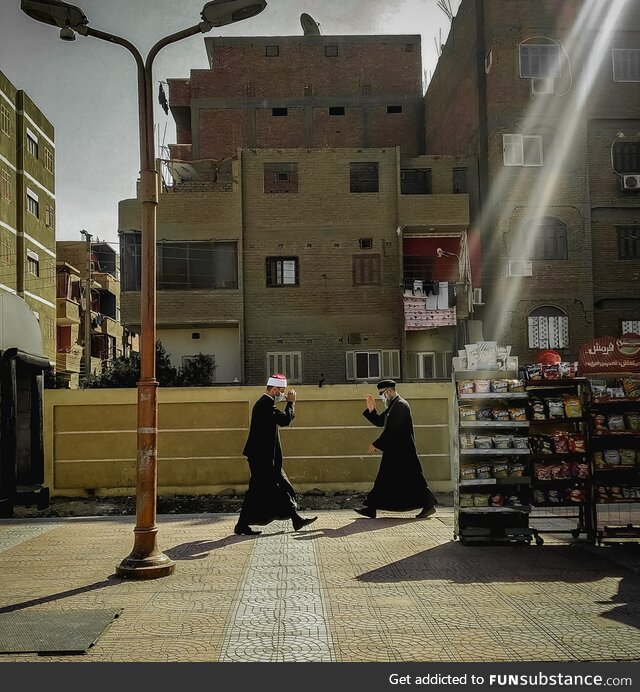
(384, 398)
(280, 397)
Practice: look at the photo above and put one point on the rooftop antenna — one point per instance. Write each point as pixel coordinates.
(309, 25)
(445, 6)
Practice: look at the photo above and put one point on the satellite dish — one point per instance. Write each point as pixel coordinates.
(181, 171)
(309, 25)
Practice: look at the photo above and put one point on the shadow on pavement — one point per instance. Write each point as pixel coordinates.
(109, 581)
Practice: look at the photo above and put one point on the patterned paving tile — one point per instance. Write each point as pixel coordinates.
(355, 590)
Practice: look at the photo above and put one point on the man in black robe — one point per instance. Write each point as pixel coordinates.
(400, 485)
(270, 495)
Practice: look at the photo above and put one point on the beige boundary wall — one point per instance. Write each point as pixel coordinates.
(90, 439)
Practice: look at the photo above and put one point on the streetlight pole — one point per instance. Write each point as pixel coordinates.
(146, 560)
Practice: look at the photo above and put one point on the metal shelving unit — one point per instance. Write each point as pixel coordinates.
(490, 524)
(617, 521)
(561, 515)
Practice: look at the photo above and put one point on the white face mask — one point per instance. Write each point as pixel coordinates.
(384, 398)
(280, 397)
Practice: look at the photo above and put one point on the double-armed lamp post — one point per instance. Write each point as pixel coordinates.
(146, 560)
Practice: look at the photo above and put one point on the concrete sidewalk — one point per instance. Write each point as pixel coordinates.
(346, 589)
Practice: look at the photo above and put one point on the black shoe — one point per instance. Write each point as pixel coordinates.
(366, 512)
(240, 530)
(426, 513)
(299, 522)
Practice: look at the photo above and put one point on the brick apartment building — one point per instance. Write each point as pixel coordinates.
(546, 97)
(302, 227)
(27, 207)
(79, 264)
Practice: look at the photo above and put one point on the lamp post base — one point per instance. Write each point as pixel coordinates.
(149, 567)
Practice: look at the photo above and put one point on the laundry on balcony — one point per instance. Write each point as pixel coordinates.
(421, 287)
(418, 315)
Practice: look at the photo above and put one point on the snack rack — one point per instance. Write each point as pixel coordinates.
(614, 421)
(560, 469)
(493, 505)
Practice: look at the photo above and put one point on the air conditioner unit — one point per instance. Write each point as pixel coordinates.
(519, 268)
(354, 338)
(631, 182)
(477, 296)
(544, 85)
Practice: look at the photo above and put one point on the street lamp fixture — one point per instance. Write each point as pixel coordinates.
(222, 12)
(145, 561)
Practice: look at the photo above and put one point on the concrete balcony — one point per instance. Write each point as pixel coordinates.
(67, 311)
(110, 327)
(68, 362)
(107, 282)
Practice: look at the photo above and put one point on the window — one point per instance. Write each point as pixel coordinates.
(426, 365)
(366, 270)
(630, 327)
(272, 51)
(33, 263)
(32, 143)
(394, 109)
(365, 365)
(331, 51)
(279, 112)
(287, 362)
(548, 328)
(48, 159)
(626, 157)
(194, 265)
(539, 61)
(280, 177)
(130, 261)
(33, 205)
(6, 251)
(550, 239)
(49, 216)
(49, 328)
(182, 266)
(415, 181)
(282, 271)
(626, 64)
(363, 177)
(460, 181)
(5, 185)
(522, 150)
(336, 110)
(365, 89)
(628, 242)
(5, 119)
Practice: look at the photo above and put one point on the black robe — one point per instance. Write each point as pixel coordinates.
(270, 495)
(400, 484)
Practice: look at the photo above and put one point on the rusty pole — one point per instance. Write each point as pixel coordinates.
(146, 560)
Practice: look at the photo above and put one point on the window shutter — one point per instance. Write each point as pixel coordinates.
(271, 365)
(512, 150)
(532, 150)
(350, 365)
(391, 363)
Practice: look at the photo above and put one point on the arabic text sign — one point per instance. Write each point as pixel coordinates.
(611, 354)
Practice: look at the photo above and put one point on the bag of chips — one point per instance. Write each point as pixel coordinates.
(572, 406)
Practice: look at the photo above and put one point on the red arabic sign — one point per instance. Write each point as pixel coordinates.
(611, 354)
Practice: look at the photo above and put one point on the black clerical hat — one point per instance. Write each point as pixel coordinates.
(386, 384)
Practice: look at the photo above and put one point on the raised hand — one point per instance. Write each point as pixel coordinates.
(291, 395)
(371, 403)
